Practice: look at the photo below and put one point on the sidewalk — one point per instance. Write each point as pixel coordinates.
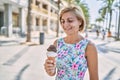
(5, 41)
(114, 46)
(109, 42)
(24, 62)
(17, 40)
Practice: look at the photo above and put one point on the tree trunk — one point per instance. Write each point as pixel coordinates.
(57, 34)
(29, 22)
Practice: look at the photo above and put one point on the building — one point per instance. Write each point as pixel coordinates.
(44, 15)
(13, 16)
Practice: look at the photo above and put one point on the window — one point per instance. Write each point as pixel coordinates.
(37, 3)
(44, 6)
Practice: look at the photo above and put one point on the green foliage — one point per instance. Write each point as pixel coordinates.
(100, 19)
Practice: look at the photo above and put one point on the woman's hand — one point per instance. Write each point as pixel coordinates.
(50, 67)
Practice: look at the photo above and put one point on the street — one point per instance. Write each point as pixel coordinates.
(26, 62)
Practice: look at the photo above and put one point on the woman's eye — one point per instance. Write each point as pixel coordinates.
(62, 22)
(70, 21)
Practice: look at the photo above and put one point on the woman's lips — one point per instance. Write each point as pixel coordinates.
(68, 29)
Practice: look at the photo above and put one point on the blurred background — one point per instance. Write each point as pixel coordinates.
(28, 27)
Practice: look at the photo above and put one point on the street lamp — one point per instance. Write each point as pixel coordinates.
(58, 5)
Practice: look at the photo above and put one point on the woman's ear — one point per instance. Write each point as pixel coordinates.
(80, 22)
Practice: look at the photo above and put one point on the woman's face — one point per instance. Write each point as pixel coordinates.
(70, 23)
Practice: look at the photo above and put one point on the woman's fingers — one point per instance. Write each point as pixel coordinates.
(49, 65)
(50, 62)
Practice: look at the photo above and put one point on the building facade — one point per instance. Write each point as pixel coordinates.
(44, 15)
(13, 16)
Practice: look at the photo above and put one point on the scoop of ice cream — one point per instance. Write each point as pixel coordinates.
(52, 48)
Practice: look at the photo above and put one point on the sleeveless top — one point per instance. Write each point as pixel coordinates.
(71, 62)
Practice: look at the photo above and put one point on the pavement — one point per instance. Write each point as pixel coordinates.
(109, 43)
(16, 40)
(25, 61)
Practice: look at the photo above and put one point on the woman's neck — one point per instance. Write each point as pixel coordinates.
(73, 38)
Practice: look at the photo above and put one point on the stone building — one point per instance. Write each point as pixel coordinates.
(13, 16)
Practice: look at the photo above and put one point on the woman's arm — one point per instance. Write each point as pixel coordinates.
(92, 59)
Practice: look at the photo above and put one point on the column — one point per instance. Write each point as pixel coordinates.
(33, 1)
(41, 24)
(22, 21)
(8, 19)
(33, 24)
(48, 25)
(48, 21)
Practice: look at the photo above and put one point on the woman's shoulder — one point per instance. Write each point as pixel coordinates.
(91, 45)
(91, 48)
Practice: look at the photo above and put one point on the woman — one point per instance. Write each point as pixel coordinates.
(74, 52)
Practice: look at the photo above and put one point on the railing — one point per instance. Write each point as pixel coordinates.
(44, 11)
(53, 15)
(20, 2)
(34, 7)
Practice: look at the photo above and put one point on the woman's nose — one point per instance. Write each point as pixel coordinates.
(65, 23)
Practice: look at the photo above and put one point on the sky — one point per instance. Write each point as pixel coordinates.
(94, 6)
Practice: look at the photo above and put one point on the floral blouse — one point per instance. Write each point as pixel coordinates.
(71, 62)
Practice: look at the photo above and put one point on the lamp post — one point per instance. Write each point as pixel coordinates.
(58, 5)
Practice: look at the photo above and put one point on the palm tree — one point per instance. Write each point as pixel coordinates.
(58, 5)
(85, 12)
(100, 19)
(103, 13)
(107, 8)
(29, 22)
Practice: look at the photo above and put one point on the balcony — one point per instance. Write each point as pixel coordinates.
(53, 15)
(38, 9)
(20, 3)
(44, 11)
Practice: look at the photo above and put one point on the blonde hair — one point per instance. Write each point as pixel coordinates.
(79, 14)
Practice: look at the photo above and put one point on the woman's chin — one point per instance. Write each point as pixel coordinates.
(69, 33)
